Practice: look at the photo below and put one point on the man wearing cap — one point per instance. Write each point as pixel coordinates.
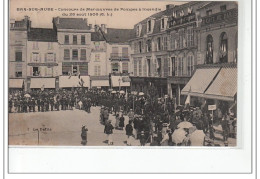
(84, 135)
(129, 132)
(131, 115)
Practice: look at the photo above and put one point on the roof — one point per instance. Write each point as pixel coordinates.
(119, 35)
(42, 34)
(71, 23)
(97, 36)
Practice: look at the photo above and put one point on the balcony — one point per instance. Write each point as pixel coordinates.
(182, 20)
(119, 56)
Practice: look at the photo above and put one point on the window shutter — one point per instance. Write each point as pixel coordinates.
(54, 57)
(31, 57)
(40, 57)
(31, 71)
(45, 57)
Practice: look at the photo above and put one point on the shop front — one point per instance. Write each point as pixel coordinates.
(100, 82)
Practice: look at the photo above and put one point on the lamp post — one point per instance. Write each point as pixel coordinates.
(119, 81)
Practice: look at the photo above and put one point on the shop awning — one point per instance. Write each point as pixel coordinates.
(15, 83)
(224, 87)
(99, 83)
(73, 81)
(200, 82)
(118, 81)
(42, 83)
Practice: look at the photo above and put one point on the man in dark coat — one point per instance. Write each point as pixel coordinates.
(129, 132)
(109, 131)
(84, 135)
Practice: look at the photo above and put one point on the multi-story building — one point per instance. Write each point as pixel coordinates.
(150, 58)
(99, 63)
(43, 65)
(118, 52)
(183, 45)
(74, 38)
(18, 53)
(215, 79)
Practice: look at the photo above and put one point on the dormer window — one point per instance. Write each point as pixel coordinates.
(162, 24)
(138, 30)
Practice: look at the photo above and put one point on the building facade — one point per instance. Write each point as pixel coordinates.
(18, 53)
(74, 38)
(43, 62)
(215, 79)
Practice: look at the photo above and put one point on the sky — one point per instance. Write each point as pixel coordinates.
(116, 18)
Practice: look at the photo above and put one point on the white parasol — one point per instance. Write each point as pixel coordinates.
(141, 94)
(185, 124)
(27, 95)
(178, 136)
(122, 92)
(113, 92)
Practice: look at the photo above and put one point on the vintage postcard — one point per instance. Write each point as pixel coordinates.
(122, 73)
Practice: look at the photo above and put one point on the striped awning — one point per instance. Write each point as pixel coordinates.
(224, 87)
(117, 81)
(42, 83)
(200, 82)
(16, 83)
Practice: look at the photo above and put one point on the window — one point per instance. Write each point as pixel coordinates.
(67, 39)
(159, 66)
(182, 38)
(125, 67)
(162, 23)
(75, 40)
(174, 70)
(115, 67)
(18, 56)
(148, 46)
(97, 57)
(223, 8)
(140, 67)
(149, 25)
(180, 66)
(18, 74)
(190, 34)
(135, 47)
(114, 51)
(135, 67)
(35, 46)
(83, 54)
(209, 12)
(140, 46)
(66, 54)
(36, 71)
(137, 30)
(36, 57)
(223, 56)
(158, 44)
(125, 52)
(75, 54)
(49, 71)
(50, 46)
(83, 40)
(172, 42)
(176, 67)
(209, 53)
(165, 43)
(190, 66)
(49, 57)
(75, 69)
(149, 67)
(97, 70)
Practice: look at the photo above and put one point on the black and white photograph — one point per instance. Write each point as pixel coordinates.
(81, 76)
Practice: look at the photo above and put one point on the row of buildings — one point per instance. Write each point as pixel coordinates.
(70, 53)
(189, 49)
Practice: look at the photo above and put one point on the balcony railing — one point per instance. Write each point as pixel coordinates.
(119, 56)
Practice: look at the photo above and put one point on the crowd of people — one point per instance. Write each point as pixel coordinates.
(152, 120)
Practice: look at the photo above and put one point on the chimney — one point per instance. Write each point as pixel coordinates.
(104, 28)
(86, 20)
(169, 6)
(58, 20)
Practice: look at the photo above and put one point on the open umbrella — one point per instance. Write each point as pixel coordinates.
(27, 95)
(141, 94)
(113, 92)
(178, 136)
(122, 92)
(185, 124)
